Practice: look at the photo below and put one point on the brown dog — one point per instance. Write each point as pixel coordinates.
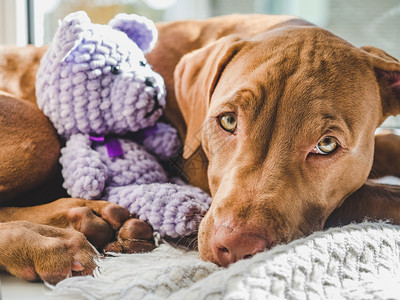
(285, 113)
(278, 118)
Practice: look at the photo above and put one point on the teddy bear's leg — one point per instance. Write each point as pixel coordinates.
(172, 210)
(84, 173)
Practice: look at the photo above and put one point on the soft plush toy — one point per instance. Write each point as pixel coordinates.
(96, 87)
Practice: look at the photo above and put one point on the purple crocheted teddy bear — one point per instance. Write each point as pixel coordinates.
(96, 87)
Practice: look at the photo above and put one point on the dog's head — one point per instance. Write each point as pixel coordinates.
(286, 120)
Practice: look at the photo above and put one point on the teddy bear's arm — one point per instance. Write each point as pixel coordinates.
(84, 173)
(171, 209)
(163, 142)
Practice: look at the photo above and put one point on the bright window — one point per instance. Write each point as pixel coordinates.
(366, 22)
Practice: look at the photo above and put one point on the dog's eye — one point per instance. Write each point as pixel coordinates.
(115, 70)
(143, 63)
(228, 122)
(326, 146)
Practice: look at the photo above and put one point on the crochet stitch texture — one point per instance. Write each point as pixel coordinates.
(94, 84)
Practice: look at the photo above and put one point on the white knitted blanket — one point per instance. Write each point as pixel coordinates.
(353, 262)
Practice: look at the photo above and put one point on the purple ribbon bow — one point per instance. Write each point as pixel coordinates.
(113, 145)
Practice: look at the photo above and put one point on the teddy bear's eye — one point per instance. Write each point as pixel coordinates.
(143, 63)
(150, 81)
(115, 70)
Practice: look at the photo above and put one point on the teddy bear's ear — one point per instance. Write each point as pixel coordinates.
(70, 33)
(138, 28)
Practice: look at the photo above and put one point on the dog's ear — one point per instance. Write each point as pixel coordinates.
(387, 70)
(196, 77)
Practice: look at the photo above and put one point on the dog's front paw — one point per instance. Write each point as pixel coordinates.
(106, 225)
(38, 252)
(133, 237)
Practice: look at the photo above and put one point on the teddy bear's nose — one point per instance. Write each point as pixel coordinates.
(150, 81)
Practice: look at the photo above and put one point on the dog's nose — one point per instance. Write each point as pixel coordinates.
(230, 245)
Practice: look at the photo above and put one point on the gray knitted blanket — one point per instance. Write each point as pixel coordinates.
(358, 261)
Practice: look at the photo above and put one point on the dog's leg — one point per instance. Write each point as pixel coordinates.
(50, 241)
(33, 252)
(373, 201)
(386, 156)
(29, 148)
